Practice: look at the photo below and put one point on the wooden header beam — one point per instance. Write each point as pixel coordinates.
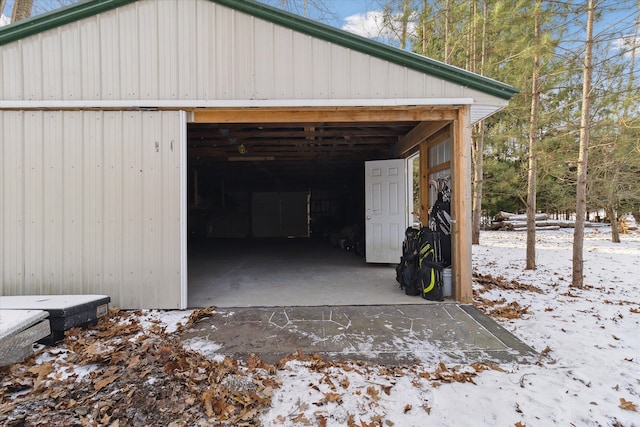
(324, 114)
(418, 134)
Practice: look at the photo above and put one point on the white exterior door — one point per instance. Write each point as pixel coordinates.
(385, 210)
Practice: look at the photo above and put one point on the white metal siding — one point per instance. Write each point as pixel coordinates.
(198, 50)
(91, 204)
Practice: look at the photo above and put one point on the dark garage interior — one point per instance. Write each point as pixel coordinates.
(280, 207)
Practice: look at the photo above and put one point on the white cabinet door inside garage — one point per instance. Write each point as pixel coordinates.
(385, 209)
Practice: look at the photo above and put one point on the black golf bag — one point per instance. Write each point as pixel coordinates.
(440, 219)
(407, 270)
(420, 268)
(430, 265)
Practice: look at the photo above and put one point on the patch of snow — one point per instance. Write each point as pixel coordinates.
(208, 349)
(170, 320)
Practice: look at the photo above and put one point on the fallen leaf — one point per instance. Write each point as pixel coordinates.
(332, 397)
(373, 392)
(627, 405)
(300, 418)
(42, 370)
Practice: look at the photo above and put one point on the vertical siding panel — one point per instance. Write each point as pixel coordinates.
(90, 67)
(51, 50)
(430, 86)
(321, 70)
(170, 219)
(243, 48)
(377, 80)
(52, 195)
(283, 51)
(1, 85)
(397, 82)
(151, 204)
(340, 72)
(224, 54)
(12, 72)
(72, 196)
(12, 278)
(168, 50)
(71, 61)
(187, 51)
(110, 56)
(5, 174)
(148, 33)
(204, 60)
(113, 203)
(303, 66)
(92, 198)
(129, 52)
(130, 288)
(33, 70)
(33, 197)
(265, 47)
(359, 79)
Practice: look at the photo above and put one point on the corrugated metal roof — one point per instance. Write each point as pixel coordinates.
(73, 13)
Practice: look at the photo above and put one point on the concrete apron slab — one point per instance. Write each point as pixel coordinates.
(384, 334)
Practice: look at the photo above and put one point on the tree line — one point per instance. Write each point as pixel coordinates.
(539, 47)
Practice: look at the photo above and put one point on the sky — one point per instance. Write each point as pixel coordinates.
(331, 12)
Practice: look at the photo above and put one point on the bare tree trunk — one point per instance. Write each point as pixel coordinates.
(533, 142)
(2, 4)
(613, 216)
(581, 189)
(447, 30)
(477, 147)
(406, 13)
(425, 28)
(21, 10)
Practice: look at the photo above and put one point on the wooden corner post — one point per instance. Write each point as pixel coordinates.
(461, 207)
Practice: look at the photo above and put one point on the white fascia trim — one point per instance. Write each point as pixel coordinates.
(228, 103)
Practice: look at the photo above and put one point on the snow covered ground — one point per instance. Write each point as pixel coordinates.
(588, 373)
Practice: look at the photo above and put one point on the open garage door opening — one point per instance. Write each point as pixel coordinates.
(276, 213)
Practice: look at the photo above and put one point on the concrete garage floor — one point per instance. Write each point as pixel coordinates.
(286, 272)
(387, 334)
